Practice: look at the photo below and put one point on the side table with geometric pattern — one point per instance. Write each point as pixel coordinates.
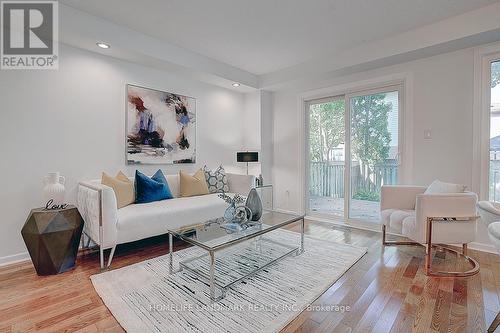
(52, 238)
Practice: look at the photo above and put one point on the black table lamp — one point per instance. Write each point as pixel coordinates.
(247, 157)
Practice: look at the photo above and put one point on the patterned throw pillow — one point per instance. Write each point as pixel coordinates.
(216, 180)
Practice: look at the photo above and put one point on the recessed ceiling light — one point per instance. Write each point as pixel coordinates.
(236, 84)
(103, 45)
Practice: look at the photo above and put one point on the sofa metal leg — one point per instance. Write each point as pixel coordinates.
(386, 242)
(494, 324)
(85, 240)
(101, 248)
(82, 241)
(101, 257)
(111, 256)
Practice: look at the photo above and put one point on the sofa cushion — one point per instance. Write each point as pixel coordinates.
(494, 229)
(140, 221)
(193, 185)
(393, 218)
(151, 189)
(408, 225)
(385, 216)
(494, 233)
(122, 186)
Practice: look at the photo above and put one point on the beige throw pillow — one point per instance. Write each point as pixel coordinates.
(193, 185)
(123, 187)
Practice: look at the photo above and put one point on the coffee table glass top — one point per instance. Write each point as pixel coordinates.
(214, 235)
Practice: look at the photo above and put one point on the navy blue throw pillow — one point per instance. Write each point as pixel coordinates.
(151, 189)
(160, 178)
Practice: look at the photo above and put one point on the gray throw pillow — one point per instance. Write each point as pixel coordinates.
(216, 180)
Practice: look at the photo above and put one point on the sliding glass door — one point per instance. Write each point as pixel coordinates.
(374, 150)
(327, 156)
(353, 149)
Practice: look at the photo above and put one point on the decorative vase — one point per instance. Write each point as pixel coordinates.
(255, 205)
(229, 213)
(53, 188)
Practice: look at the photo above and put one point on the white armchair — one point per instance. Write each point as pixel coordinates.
(490, 216)
(427, 219)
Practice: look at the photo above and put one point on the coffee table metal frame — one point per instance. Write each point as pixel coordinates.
(211, 251)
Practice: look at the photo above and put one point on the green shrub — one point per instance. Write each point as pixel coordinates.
(367, 195)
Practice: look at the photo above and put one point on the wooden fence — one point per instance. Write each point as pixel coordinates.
(327, 178)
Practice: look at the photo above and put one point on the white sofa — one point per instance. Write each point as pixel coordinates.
(108, 226)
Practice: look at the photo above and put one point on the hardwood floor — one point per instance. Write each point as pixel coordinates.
(386, 291)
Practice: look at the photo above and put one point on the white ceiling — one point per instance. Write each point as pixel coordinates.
(264, 36)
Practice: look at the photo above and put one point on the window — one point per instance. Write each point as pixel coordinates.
(494, 138)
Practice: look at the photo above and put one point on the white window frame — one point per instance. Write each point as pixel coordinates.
(403, 83)
(483, 57)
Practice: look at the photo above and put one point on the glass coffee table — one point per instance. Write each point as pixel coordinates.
(240, 254)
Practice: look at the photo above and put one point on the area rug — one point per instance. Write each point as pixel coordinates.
(144, 297)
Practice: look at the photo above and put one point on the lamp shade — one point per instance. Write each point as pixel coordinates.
(247, 156)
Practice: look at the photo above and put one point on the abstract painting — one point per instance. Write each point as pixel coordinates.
(161, 127)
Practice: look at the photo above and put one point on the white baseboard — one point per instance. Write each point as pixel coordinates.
(15, 258)
(341, 223)
(284, 211)
(483, 247)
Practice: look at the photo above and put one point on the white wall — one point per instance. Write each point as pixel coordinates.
(267, 135)
(258, 132)
(251, 129)
(442, 100)
(73, 121)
